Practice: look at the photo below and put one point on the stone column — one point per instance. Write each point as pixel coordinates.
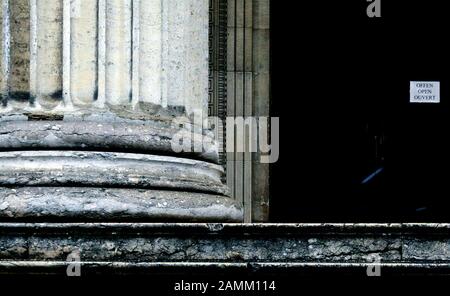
(92, 105)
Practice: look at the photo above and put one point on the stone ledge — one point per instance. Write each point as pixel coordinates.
(209, 269)
(43, 204)
(143, 247)
(107, 169)
(99, 133)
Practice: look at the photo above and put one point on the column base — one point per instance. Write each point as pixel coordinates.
(85, 186)
(104, 167)
(104, 132)
(84, 204)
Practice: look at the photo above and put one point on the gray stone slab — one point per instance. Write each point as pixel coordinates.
(149, 247)
(100, 133)
(106, 169)
(115, 204)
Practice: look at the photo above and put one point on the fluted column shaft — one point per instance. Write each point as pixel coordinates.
(145, 55)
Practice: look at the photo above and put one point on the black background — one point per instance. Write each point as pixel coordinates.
(340, 79)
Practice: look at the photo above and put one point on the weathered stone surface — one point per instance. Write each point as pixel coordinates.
(107, 169)
(99, 204)
(101, 133)
(426, 250)
(19, 51)
(213, 245)
(46, 53)
(163, 249)
(83, 52)
(4, 58)
(119, 246)
(118, 52)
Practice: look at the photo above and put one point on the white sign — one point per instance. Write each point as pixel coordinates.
(425, 92)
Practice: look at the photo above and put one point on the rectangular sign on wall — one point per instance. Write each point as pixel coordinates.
(425, 92)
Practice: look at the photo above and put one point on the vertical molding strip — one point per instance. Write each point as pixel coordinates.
(217, 102)
(222, 75)
(137, 7)
(248, 109)
(197, 62)
(248, 96)
(177, 47)
(261, 94)
(239, 103)
(49, 53)
(18, 81)
(231, 90)
(165, 53)
(33, 52)
(101, 55)
(67, 54)
(82, 38)
(118, 52)
(4, 62)
(149, 52)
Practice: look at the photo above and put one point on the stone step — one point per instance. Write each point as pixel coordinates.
(149, 247)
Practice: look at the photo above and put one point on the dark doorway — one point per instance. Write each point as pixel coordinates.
(355, 148)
